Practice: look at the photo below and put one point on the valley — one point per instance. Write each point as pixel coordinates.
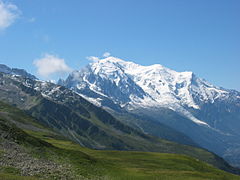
(50, 155)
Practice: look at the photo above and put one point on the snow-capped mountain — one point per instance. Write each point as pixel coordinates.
(133, 86)
(155, 100)
(180, 100)
(66, 112)
(71, 115)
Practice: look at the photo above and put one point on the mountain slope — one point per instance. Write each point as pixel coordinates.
(68, 113)
(31, 151)
(75, 118)
(207, 114)
(22, 153)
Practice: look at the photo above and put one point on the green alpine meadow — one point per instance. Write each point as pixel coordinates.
(119, 90)
(30, 150)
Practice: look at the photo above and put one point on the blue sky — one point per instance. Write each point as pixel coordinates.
(184, 35)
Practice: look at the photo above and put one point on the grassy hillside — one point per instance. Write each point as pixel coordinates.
(75, 118)
(29, 150)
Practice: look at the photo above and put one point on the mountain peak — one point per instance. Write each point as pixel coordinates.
(4, 68)
(112, 59)
(131, 66)
(16, 71)
(133, 86)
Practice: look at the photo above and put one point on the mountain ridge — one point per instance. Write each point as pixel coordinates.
(16, 71)
(152, 85)
(69, 114)
(126, 87)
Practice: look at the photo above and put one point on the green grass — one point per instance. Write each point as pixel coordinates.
(10, 173)
(130, 165)
(122, 165)
(15, 177)
(108, 165)
(9, 170)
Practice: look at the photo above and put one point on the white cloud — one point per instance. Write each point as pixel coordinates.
(51, 64)
(8, 14)
(106, 54)
(93, 58)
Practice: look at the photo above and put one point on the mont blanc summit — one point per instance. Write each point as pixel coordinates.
(132, 86)
(180, 100)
